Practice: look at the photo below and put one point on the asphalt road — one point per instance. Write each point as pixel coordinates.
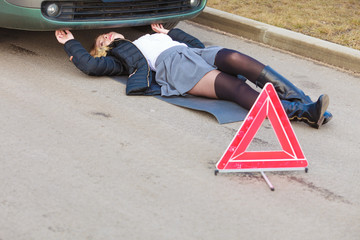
(81, 160)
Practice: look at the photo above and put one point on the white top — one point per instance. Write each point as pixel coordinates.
(153, 45)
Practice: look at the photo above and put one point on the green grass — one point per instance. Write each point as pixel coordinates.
(336, 21)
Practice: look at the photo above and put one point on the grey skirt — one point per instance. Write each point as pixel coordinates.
(180, 68)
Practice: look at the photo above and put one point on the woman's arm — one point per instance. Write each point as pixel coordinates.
(178, 35)
(84, 61)
(181, 36)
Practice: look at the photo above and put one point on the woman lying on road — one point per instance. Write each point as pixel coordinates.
(183, 65)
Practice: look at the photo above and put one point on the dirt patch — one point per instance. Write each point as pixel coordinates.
(21, 51)
(326, 193)
(105, 115)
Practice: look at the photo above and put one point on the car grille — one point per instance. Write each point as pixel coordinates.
(125, 9)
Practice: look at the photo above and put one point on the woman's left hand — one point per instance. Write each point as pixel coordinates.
(63, 36)
(159, 28)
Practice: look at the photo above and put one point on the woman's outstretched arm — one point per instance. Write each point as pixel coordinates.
(103, 66)
(178, 35)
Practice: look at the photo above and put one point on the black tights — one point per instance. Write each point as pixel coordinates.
(236, 63)
(227, 86)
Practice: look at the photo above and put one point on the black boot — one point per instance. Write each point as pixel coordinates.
(285, 89)
(312, 114)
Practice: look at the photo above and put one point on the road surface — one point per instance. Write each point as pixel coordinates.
(81, 160)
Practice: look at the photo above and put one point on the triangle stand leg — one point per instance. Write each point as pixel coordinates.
(267, 181)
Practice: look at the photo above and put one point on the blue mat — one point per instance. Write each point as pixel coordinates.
(223, 111)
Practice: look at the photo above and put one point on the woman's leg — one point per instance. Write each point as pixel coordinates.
(236, 63)
(216, 84)
(228, 87)
(206, 86)
(286, 89)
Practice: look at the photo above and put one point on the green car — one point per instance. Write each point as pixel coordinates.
(40, 15)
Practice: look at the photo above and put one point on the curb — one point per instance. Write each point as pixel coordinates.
(303, 45)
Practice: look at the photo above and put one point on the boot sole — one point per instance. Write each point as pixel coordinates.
(324, 102)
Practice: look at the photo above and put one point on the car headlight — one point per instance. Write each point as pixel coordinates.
(52, 10)
(194, 3)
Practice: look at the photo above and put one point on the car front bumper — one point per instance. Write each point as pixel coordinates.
(31, 18)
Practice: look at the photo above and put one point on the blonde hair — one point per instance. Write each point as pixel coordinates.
(98, 51)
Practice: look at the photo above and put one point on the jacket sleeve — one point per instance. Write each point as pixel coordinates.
(183, 37)
(92, 66)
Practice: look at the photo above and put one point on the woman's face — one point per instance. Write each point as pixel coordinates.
(105, 40)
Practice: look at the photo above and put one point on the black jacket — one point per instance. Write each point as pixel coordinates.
(124, 58)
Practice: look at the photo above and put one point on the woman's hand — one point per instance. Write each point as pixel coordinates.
(63, 36)
(159, 28)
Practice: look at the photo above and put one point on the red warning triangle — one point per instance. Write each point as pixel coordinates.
(237, 159)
